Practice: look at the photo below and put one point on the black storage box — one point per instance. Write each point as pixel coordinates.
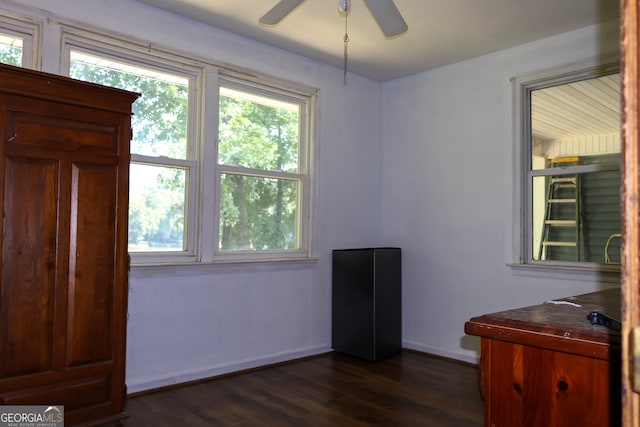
(367, 302)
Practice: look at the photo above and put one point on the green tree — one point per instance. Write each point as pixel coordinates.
(11, 55)
(258, 212)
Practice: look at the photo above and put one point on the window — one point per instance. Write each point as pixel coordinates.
(570, 133)
(219, 165)
(262, 170)
(18, 42)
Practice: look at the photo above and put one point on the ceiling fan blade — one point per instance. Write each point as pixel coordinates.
(279, 11)
(388, 17)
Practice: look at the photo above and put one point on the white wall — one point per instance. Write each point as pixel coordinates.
(448, 165)
(189, 323)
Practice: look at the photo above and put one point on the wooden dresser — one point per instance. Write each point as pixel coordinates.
(546, 365)
(64, 169)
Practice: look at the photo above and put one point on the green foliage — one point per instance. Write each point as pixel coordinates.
(11, 55)
(159, 119)
(257, 136)
(156, 209)
(258, 213)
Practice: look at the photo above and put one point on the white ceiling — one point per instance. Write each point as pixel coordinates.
(440, 32)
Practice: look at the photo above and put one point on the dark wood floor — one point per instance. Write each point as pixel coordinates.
(409, 389)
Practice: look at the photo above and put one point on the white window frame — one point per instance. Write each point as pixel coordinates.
(305, 100)
(203, 202)
(30, 31)
(522, 234)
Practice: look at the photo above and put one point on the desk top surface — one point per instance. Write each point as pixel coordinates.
(563, 318)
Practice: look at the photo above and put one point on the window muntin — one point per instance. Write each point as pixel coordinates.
(262, 178)
(160, 168)
(572, 177)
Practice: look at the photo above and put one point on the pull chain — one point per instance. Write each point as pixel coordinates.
(346, 42)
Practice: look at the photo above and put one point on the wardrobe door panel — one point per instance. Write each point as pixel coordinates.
(28, 293)
(91, 263)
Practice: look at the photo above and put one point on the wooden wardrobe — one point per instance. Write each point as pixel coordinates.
(64, 170)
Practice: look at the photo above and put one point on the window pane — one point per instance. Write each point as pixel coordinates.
(258, 213)
(157, 203)
(10, 50)
(258, 132)
(159, 119)
(575, 119)
(576, 217)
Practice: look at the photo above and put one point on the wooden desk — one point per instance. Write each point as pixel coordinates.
(546, 365)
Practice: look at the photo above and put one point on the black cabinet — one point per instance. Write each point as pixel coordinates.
(367, 302)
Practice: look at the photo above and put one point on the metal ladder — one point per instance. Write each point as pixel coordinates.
(563, 220)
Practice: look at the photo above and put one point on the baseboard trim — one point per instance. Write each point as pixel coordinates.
(234, 368)
(437, 356)
(469, 357)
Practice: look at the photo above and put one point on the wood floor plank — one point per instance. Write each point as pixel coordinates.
(408, 389)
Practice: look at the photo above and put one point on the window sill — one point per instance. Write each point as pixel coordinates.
(601, 273)
(163, 269)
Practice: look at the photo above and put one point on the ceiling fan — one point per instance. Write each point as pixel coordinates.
(385, 13)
